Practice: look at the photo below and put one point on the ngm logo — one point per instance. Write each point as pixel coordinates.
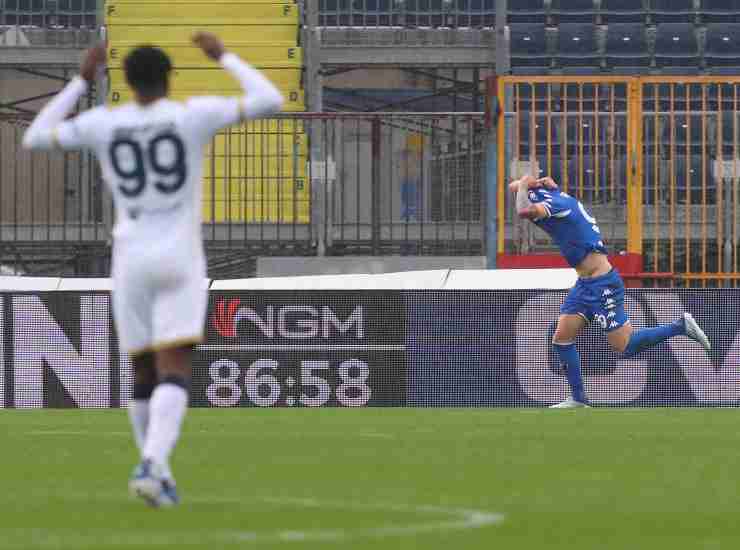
(294, 322)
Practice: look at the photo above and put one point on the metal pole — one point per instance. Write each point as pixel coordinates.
(492, 183)
(375, 186)
(314, 100)
(725, 186)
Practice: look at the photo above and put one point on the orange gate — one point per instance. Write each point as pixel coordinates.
(656, 160)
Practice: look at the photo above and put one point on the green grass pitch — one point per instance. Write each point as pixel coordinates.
(514, 479)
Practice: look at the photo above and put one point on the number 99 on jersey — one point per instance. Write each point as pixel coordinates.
(314, 382)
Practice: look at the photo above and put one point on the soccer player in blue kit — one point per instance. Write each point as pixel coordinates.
(599, 292)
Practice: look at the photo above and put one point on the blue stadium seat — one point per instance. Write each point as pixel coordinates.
(719, 10)
(526, 11)
(623, 11)
(673, 11)
(626, 46)
(573, 11)
(723, 44)
(676, 45)
(528, 46)
(577, 45)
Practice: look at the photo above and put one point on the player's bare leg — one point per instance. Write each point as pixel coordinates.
(167, 409)
(569, 325)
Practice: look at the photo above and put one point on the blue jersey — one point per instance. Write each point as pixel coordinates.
(568, 224)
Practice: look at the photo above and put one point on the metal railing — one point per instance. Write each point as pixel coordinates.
(46, 37)
(393, 182)
(306, 183)
(41, 23)
(407, 13)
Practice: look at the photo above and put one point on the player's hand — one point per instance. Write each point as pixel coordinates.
(547, 182)
(95, 59)
(211, 44)
(524, 182)
(529, 181)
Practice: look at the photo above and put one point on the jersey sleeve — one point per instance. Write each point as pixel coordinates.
(81, 131)
(555, 203)
(208, 115)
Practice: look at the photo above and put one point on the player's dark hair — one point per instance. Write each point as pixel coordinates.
(147, 71)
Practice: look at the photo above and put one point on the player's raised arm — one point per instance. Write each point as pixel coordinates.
(525, 208)
(49, 128)
(261, 97)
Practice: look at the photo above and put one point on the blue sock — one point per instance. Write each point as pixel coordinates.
(649, 337)
(569, 357)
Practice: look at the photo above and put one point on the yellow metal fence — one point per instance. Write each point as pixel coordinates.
(656, 159)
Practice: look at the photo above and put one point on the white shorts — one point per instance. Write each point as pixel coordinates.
(157, 305)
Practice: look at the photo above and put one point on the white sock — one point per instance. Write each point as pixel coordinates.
(138, 414)
(167, 409)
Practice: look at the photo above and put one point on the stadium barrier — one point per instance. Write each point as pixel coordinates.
(440, 338)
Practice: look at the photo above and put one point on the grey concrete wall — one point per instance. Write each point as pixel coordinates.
(297, 266)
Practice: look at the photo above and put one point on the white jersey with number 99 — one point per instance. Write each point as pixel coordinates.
(152, 161)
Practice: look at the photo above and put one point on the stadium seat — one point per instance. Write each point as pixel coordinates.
(526, 11)
(719, 11)
(722, 44)
(672, 11)
(528, 46)
(626, 46)
(577, 44)
(623, 11)
(676, 45)
(573, 11)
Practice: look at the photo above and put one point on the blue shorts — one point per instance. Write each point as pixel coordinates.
(599, 299)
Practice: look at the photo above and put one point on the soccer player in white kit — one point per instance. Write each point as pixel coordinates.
(151, 153)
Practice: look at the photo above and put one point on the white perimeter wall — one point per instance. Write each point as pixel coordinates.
(439, 279)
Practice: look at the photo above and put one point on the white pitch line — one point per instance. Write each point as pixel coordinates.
(457, 519)
(72, 432)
